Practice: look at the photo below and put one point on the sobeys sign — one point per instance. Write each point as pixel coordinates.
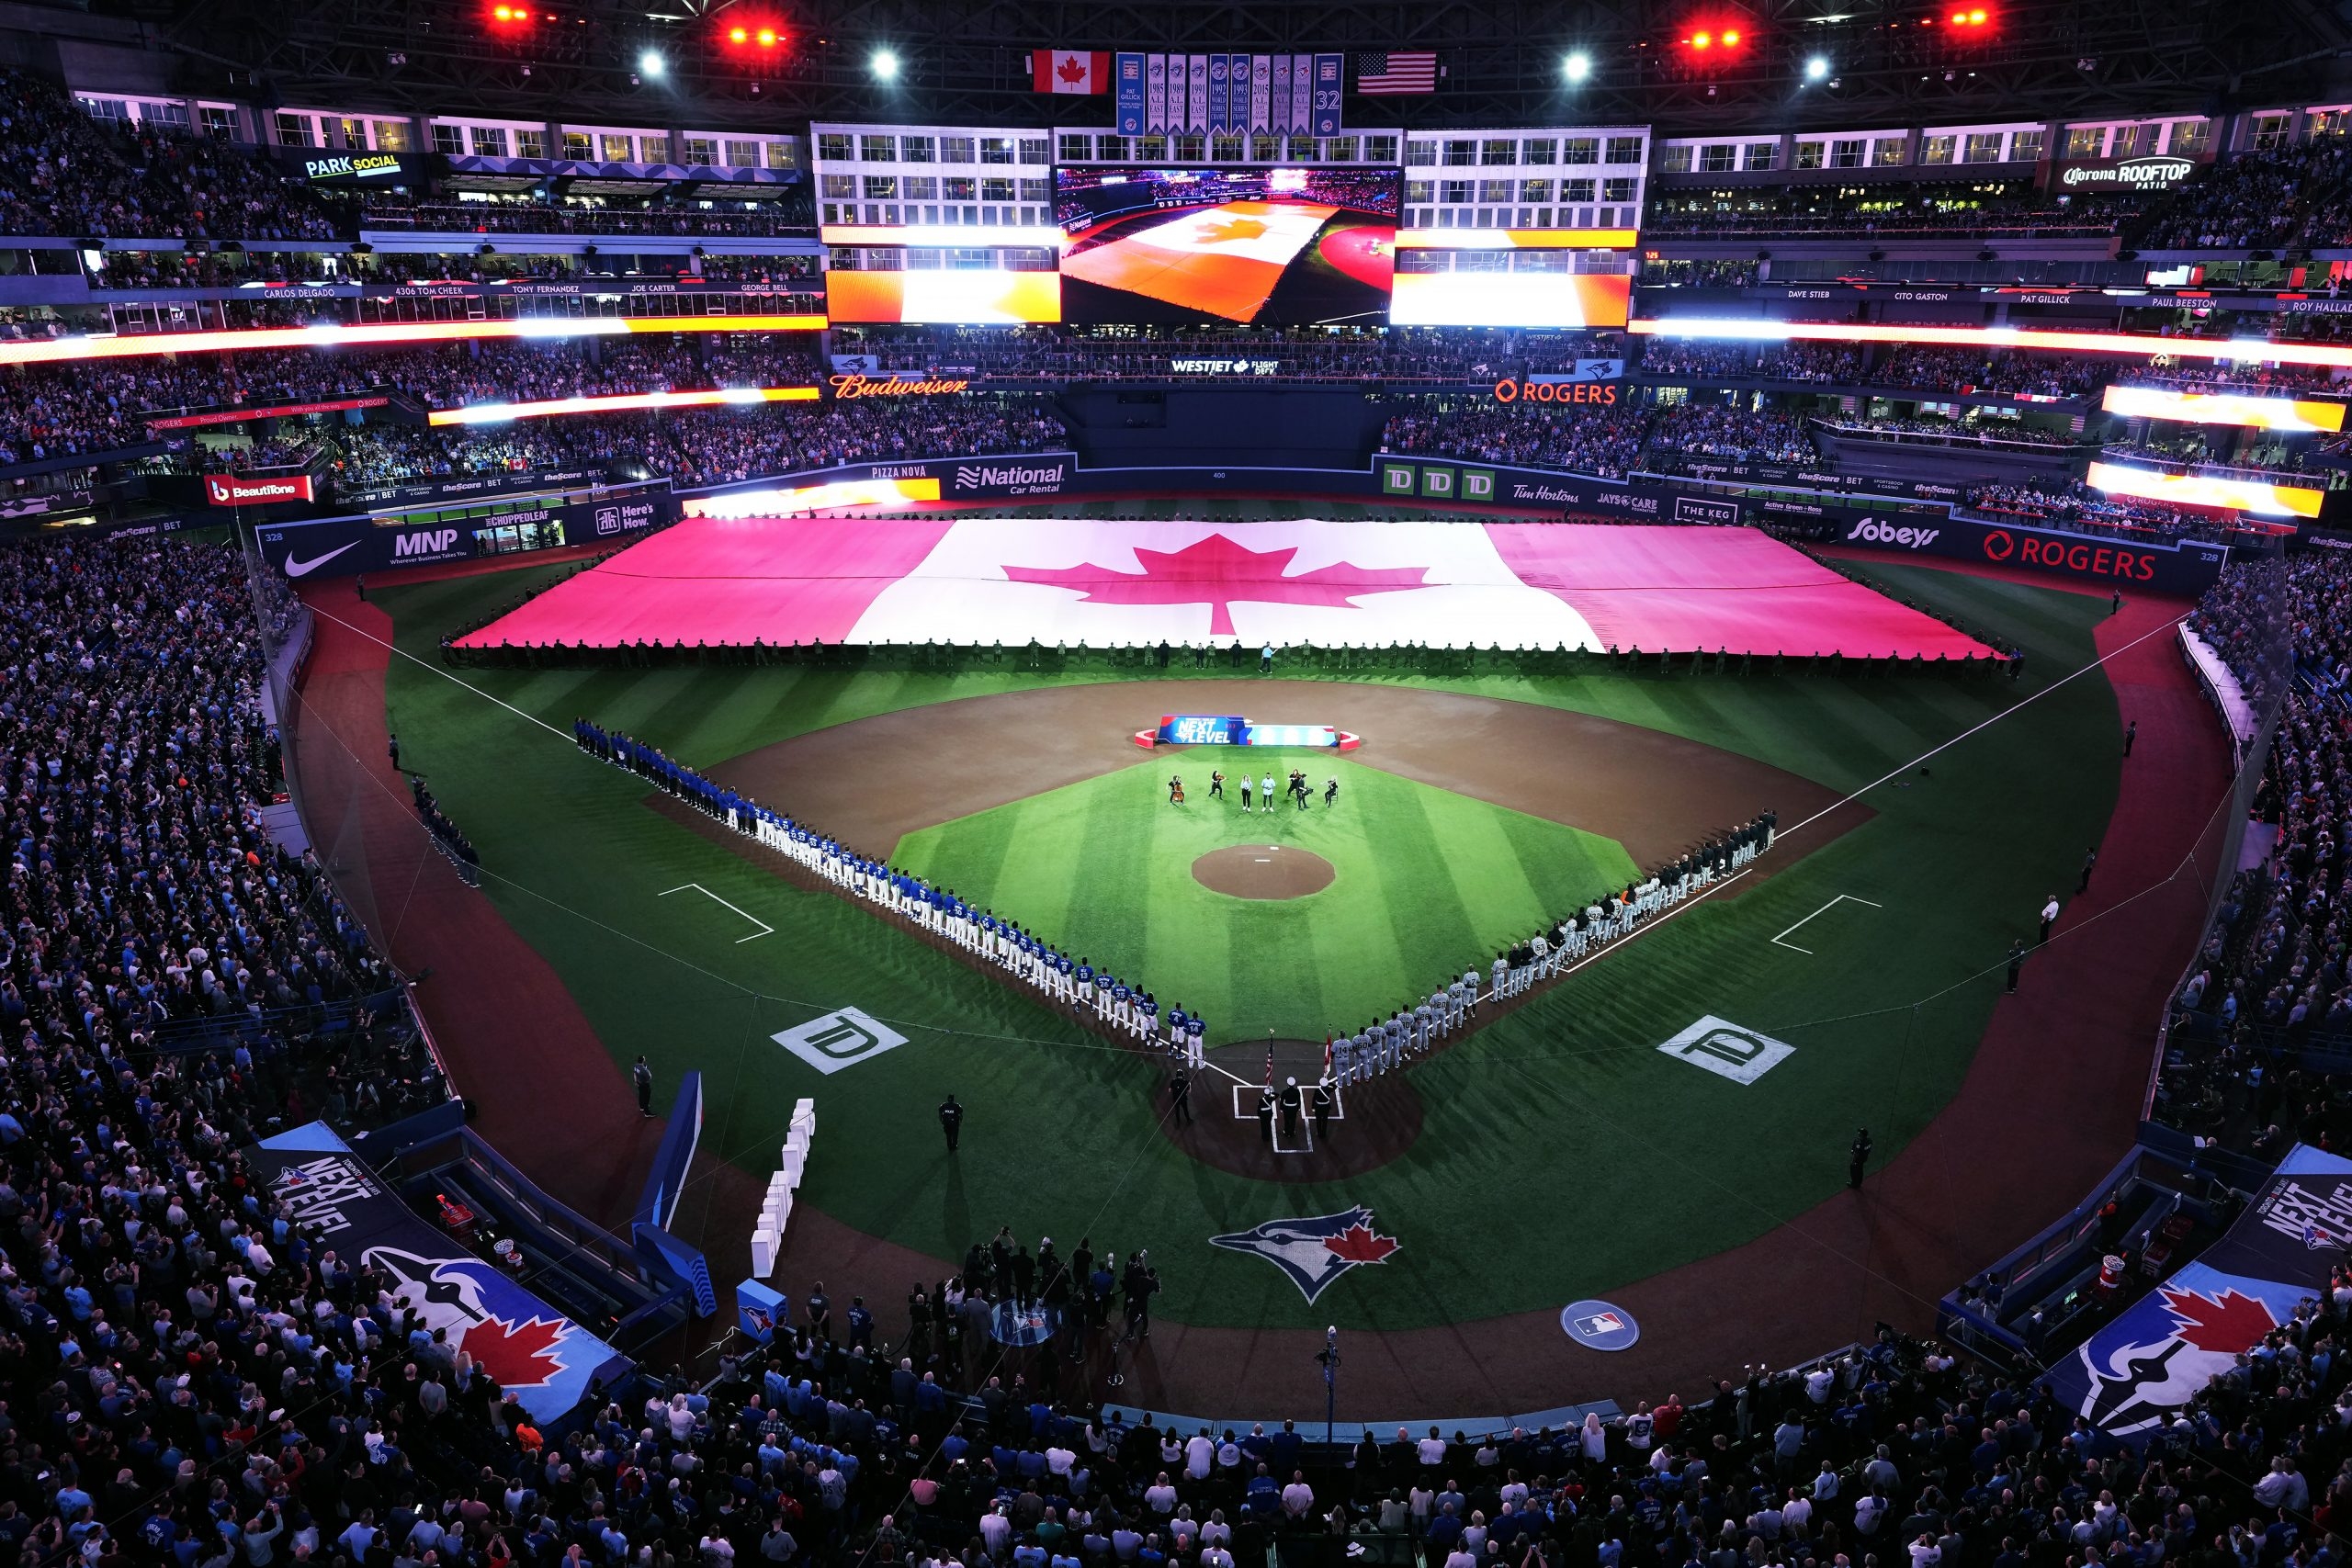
(2125, 173)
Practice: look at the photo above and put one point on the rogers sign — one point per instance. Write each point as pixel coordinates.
(2069, 556)
(236, 490)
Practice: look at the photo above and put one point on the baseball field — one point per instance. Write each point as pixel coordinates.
(1596, 1136)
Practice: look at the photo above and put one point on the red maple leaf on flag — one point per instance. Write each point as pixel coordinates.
(1358, 1245)
(1221, 573)
(2234, 1323)
(518, 1355)
(1229, 229)
(1071, 71)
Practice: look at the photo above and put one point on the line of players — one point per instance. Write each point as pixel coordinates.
(1383, 1045)
(1077, 983)
(1410, 1032)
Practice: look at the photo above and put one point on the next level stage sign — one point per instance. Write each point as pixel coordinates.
(1200, 730)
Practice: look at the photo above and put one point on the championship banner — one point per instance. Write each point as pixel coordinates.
(2160, 1353)
(539, 1355)
(1222, 93)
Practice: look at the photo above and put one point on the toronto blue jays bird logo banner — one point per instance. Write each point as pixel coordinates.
(535, 1352)
(2158, 1354)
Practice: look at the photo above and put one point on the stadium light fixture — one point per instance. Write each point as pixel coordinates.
(886, 65)
(1816, 68)
(651, 65)
(1577, 66)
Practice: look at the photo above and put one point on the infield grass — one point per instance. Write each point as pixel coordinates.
(1427, 883)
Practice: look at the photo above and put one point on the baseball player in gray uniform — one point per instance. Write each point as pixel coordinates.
(1421, 1030)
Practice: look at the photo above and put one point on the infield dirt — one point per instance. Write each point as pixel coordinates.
(872, 781)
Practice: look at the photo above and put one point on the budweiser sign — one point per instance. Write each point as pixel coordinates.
(858, 384)
(238, 489)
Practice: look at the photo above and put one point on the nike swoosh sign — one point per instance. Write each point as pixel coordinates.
(304, 568)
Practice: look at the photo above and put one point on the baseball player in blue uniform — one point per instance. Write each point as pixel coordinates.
(1085, 983)
(1122, 1002)
(1194, 1030)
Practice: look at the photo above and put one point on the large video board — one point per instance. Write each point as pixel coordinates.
(2225, 407)
(1267, 246)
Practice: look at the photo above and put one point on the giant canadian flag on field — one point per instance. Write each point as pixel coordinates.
(1069, 71)
(1073, 580)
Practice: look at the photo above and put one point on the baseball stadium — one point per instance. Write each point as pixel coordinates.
(1472, 788)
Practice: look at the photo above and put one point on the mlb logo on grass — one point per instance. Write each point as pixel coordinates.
(838, 1040)
(1728, 1051)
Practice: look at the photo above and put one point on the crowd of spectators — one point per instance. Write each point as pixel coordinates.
(706, 446)
(1792, 211)
(2005, 371)
(1109, 353)
(1940, 431)
(1711, 362)
(1740, 435)
(69, 174)
(2270, 200)
(2272, 971)
(2230, 374)
(792, 213)
(2080, 509)
(1586, 438)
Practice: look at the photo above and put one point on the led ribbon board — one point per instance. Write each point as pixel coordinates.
(618, 402)
(2209, 490)
(2225, 407)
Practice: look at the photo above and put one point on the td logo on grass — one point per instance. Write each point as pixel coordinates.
(838, 1040)
(1726, 1049)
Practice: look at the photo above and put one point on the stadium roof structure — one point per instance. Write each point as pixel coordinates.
(1896, 62)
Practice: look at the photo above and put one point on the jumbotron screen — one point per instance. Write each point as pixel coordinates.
(1264, 246)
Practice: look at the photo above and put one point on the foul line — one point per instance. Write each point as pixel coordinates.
(765, 929)
(1841, 898)
(2098, 663)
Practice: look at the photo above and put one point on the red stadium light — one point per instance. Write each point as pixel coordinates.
(1972, 18)
(510, 16)
(1703, 41)
(1730, 38)
(753, 39)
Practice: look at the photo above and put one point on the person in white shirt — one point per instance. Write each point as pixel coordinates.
(1431, 1448)
(1796, 1514)
(1925, 1552)
(1818, 1383)
(1298, 1497)
(995, 1530)
(1200, 1453)
(1160, 1496)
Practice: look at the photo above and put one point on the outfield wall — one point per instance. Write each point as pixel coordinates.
(341, 546)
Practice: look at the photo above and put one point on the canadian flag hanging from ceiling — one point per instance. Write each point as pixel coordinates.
(1069, 70)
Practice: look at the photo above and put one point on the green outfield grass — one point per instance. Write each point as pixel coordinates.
(1562, 1117)
(1428, 882)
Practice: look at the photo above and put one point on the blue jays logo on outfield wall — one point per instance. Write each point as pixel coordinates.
(1314, 1250)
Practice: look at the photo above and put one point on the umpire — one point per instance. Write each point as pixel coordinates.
(1180, 1093)
(643, 1078)
(950, 1121)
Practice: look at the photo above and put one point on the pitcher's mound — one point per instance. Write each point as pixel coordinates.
(1262, 870)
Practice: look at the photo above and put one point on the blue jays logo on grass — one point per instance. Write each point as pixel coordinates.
(2163, 1349)
(500, 1325)
(1316, 1250)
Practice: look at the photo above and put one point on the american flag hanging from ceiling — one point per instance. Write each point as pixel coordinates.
(1408, 72)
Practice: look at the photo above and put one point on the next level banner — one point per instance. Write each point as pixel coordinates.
(537, 1353)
